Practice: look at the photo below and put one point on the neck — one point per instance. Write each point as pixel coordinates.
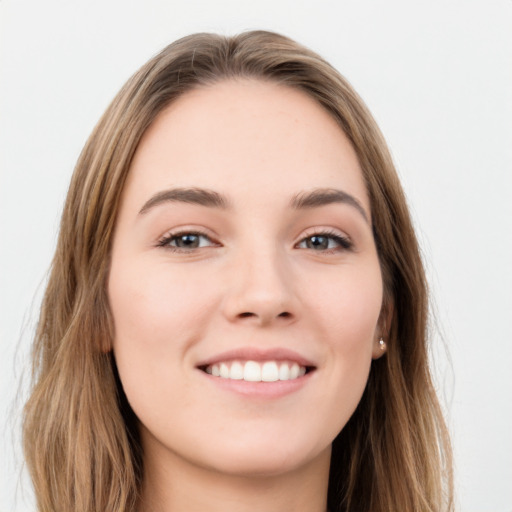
(174, 484)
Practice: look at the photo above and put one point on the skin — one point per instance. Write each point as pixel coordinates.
(255, 281)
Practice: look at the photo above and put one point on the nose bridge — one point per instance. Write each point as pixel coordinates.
(261, 285)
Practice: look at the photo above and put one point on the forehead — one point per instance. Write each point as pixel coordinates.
(246, 135)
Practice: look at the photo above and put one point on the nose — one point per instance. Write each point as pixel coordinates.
(260, 290)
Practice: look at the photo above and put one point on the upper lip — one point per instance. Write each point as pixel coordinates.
(258, 354)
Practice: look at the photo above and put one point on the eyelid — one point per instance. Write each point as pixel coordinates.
(344, 241)
(163, 241)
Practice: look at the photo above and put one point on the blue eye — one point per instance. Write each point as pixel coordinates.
(325, 242)
(185, 241)
(189, 240)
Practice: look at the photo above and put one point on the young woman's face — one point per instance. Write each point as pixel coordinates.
(244, 248)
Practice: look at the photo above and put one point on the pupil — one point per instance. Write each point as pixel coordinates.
(318, 242)
(188, 241)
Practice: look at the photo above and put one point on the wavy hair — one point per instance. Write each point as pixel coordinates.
(80, 436)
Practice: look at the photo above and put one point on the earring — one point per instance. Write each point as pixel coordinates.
(382, 344)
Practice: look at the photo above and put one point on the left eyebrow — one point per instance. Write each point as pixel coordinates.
(193, 195)
(324, 196)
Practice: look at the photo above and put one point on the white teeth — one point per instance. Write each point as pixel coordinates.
(237, 371)
(284, 371)
(253, 371)
(224, 371)
(269, 372)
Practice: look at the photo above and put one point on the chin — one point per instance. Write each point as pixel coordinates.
(268, 459)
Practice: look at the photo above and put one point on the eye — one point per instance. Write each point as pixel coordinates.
(186, 241)
(325, 242)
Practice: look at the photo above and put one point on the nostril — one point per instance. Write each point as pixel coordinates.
(248, 314)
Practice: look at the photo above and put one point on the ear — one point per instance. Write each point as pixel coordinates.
(380, 344)
(379, 348)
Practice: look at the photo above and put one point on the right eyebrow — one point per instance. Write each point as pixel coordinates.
(193, 195)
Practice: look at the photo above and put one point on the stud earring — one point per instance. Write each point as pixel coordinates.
(382, 344)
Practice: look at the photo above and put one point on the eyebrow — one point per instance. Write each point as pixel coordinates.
(200, 196)
(212, 199)
(324, 196)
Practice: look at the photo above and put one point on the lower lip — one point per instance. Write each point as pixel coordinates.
(266, 390)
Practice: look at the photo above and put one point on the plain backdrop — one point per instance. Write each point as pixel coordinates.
(438, 78)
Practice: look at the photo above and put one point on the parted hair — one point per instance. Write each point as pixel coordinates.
(80, 435)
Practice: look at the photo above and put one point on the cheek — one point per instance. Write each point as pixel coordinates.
(155, 304)
(154, 323)
(347, 314)
(156, 319)
(348, 307)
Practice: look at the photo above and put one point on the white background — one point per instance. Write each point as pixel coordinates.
(438, 77)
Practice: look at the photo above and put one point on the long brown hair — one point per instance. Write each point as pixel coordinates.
(80, 435)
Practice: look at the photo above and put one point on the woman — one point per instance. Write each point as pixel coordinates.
(237, 311)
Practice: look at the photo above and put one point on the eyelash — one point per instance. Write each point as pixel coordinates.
(165, 241)
(344, 243)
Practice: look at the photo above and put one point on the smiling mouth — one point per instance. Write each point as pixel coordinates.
(257, 371)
